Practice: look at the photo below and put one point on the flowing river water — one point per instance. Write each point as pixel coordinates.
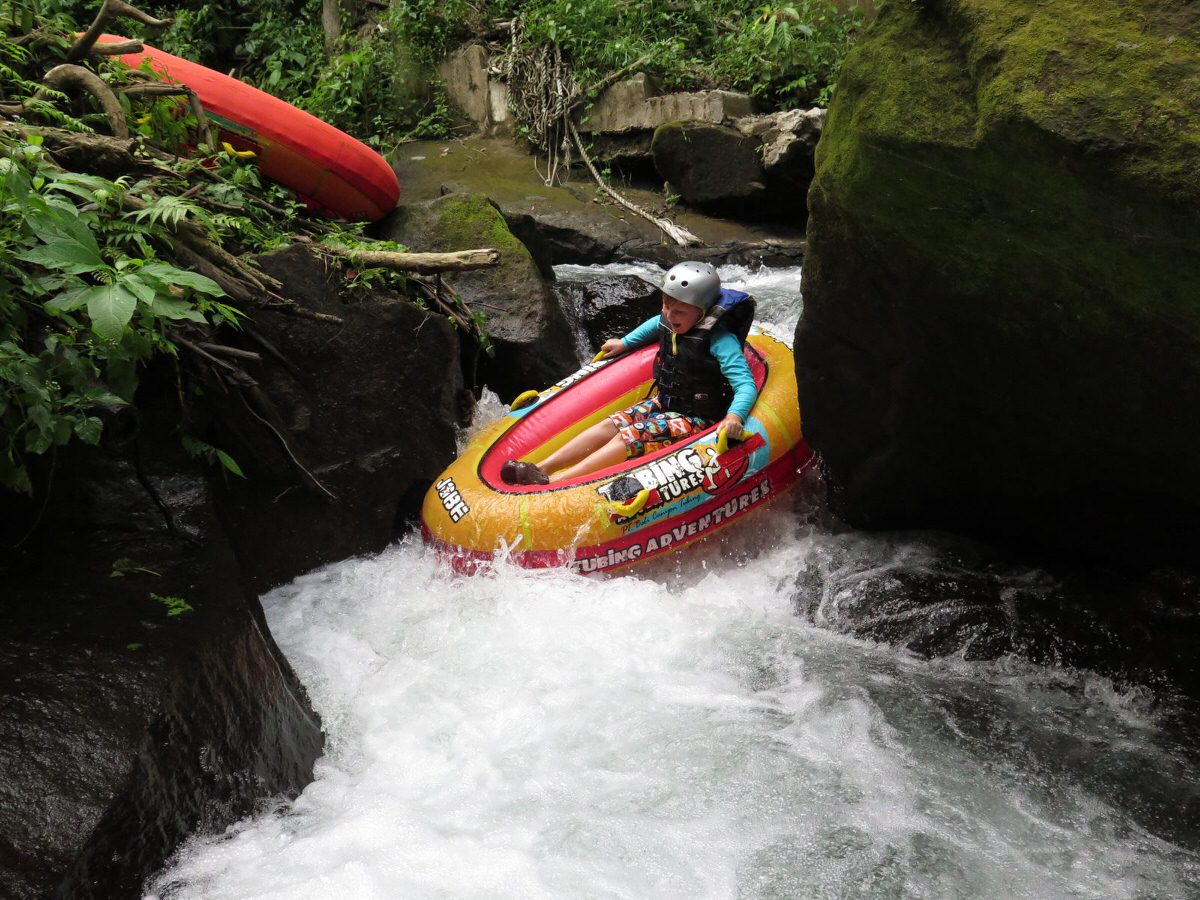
(685, 732)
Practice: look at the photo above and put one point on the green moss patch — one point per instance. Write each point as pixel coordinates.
(1042, 158)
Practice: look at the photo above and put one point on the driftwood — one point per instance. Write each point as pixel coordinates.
(120, 48)
(424, 263)
(677, 233)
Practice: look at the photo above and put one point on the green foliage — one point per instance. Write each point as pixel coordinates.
(379, 84)
(84, 299)
(96, 275)
(792, 51)
(784, 56)
(202, 450)
(176, 606)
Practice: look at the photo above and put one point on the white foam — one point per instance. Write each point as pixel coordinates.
(544, 734)
(681, 733)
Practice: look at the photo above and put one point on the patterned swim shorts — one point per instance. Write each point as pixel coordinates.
(645, 427)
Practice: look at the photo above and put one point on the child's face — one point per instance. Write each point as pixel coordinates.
(680, 316)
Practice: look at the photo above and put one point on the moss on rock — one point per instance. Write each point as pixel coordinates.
(1003, 243)
(533, 343)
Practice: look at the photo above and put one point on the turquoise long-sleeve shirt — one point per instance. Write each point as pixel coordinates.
(725, 348)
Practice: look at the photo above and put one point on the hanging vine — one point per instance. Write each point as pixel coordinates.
(544, 98)
(542, 94)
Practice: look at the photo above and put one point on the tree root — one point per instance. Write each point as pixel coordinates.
(110, 10)
(65, 76)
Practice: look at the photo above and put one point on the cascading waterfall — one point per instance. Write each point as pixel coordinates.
(680, 732)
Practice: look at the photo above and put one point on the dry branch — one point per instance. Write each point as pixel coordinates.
(119, 48)
(276, 303)
(424, 263)
(677, 233)
(223, 350)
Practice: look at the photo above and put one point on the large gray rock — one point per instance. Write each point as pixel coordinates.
(344, 413)
(533, 343)
(711, 166)
(1001, 330)
(124, 728)
(611, 307)
(789, 142)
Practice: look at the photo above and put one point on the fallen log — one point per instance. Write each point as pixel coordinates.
(422, 263)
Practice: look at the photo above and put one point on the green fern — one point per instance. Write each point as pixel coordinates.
(171, 211)
(46, 111)
(130, 236)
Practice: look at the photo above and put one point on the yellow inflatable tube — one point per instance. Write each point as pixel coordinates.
(626, 513)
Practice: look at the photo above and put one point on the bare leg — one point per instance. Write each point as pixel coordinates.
(601, 458)
(580, 446)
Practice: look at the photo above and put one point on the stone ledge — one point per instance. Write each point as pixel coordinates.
(635, 105)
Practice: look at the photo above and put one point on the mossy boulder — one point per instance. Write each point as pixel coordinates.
(533, 342)
(1001, 331)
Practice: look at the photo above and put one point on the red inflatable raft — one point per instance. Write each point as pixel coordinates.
(630, 512)
(341, 176)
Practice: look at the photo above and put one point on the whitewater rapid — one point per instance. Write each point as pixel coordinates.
(680, 732)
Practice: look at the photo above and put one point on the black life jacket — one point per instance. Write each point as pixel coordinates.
(688, 375)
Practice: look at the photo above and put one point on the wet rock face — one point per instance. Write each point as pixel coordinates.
(711, 166)
(945, 597)
(611, 307)
(361, 421)
(533, 345)
(141, 705)
(143, 697)
(1000, 327)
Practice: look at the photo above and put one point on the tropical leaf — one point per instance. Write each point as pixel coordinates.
(169, 274)
(68, 244)
(228, 462)
(146, 291)
(110, 307)
(89, 429)
(167, 307)
(71, 299)
(65, 256)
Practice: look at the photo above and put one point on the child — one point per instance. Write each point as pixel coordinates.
(700, 372)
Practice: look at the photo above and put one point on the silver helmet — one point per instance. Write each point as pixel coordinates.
(694, 283)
